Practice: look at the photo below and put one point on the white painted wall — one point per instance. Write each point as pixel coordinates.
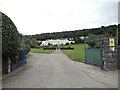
(57, 41)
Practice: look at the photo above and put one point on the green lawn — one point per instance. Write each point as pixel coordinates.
(40, 50)
(78, 54)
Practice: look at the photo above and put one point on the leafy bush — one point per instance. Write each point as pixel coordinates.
(92, 44)
(67, 43)
(28, 48)
(64, 47)
(10, 42)
(33, 43)
(27, 43)
(71, 43)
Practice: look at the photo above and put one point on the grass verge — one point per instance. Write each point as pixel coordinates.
(40, 50)
(78, 54)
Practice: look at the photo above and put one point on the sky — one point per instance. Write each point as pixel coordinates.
(43, 16)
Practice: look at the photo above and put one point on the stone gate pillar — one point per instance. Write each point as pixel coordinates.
(110, 58)
(118, 57)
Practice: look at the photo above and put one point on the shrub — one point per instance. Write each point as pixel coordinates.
(33, 43)
(67, 43)
(27, 43)
(10, 42)
(28, 48)
(71, 43)
(91, 44)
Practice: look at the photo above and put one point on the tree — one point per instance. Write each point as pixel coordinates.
(67, 44)
(25, 42)
(33, 43)
(103, 30)
(10, 42)
(94, 40)
(119, 34)
(91, 44)
(49, 44)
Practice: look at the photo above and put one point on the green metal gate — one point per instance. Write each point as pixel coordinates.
(93, 56)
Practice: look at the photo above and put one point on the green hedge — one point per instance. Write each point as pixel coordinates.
(10, 42)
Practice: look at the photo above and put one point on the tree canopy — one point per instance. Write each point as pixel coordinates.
(106, 31)
(119, 34)
(10, 39)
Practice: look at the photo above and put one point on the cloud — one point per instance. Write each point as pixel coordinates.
(119, 12)
(41, 16)
(108, 12)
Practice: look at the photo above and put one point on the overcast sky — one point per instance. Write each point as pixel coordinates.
(42, 16)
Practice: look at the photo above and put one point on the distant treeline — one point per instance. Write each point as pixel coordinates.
(119, 34)
(107, 31)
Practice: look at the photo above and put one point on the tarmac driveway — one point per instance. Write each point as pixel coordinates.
(58, 71)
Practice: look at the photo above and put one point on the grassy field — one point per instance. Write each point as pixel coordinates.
(78, 54)
(40, 50)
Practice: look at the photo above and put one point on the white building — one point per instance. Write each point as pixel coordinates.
(82, 37)
(56, 42)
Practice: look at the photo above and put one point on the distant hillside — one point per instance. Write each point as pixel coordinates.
(107, 31)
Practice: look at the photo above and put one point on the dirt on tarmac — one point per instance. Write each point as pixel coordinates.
(58, 71)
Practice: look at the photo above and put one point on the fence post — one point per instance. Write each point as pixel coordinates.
(101, 54)
(85, 55)
(9, 65)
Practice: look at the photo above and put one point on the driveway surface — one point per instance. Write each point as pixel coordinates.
(58, 71)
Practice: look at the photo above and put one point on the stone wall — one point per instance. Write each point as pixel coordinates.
(110, 62)
(118, 57)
